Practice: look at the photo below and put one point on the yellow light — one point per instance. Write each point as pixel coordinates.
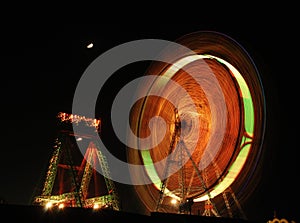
(49, 205)
(61, 206)
(96, 206)
(90, 46)
(173, 201)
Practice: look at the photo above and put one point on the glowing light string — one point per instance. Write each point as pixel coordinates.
(245, 146)
(65, 117)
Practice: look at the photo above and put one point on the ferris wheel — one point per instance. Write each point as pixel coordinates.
(204, 157)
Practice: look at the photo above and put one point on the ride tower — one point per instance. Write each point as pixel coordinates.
(72, 179)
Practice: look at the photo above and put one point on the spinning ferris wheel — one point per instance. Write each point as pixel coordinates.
(205, 156)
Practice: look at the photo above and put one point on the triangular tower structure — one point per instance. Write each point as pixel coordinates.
(209, 209)
(182, 202)
(72, 178)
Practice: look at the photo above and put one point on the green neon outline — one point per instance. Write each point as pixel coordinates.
(239, 162)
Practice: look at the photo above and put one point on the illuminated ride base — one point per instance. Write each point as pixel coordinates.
(72, 179)
(214, 134)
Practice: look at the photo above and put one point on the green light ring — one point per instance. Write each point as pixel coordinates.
(239, 162)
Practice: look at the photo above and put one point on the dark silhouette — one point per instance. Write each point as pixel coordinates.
(186, 207)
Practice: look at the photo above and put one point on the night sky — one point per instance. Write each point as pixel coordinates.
(43, 64)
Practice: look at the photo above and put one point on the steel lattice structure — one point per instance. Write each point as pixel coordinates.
(70, 173)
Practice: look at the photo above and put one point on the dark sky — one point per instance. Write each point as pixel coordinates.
(42, 65)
